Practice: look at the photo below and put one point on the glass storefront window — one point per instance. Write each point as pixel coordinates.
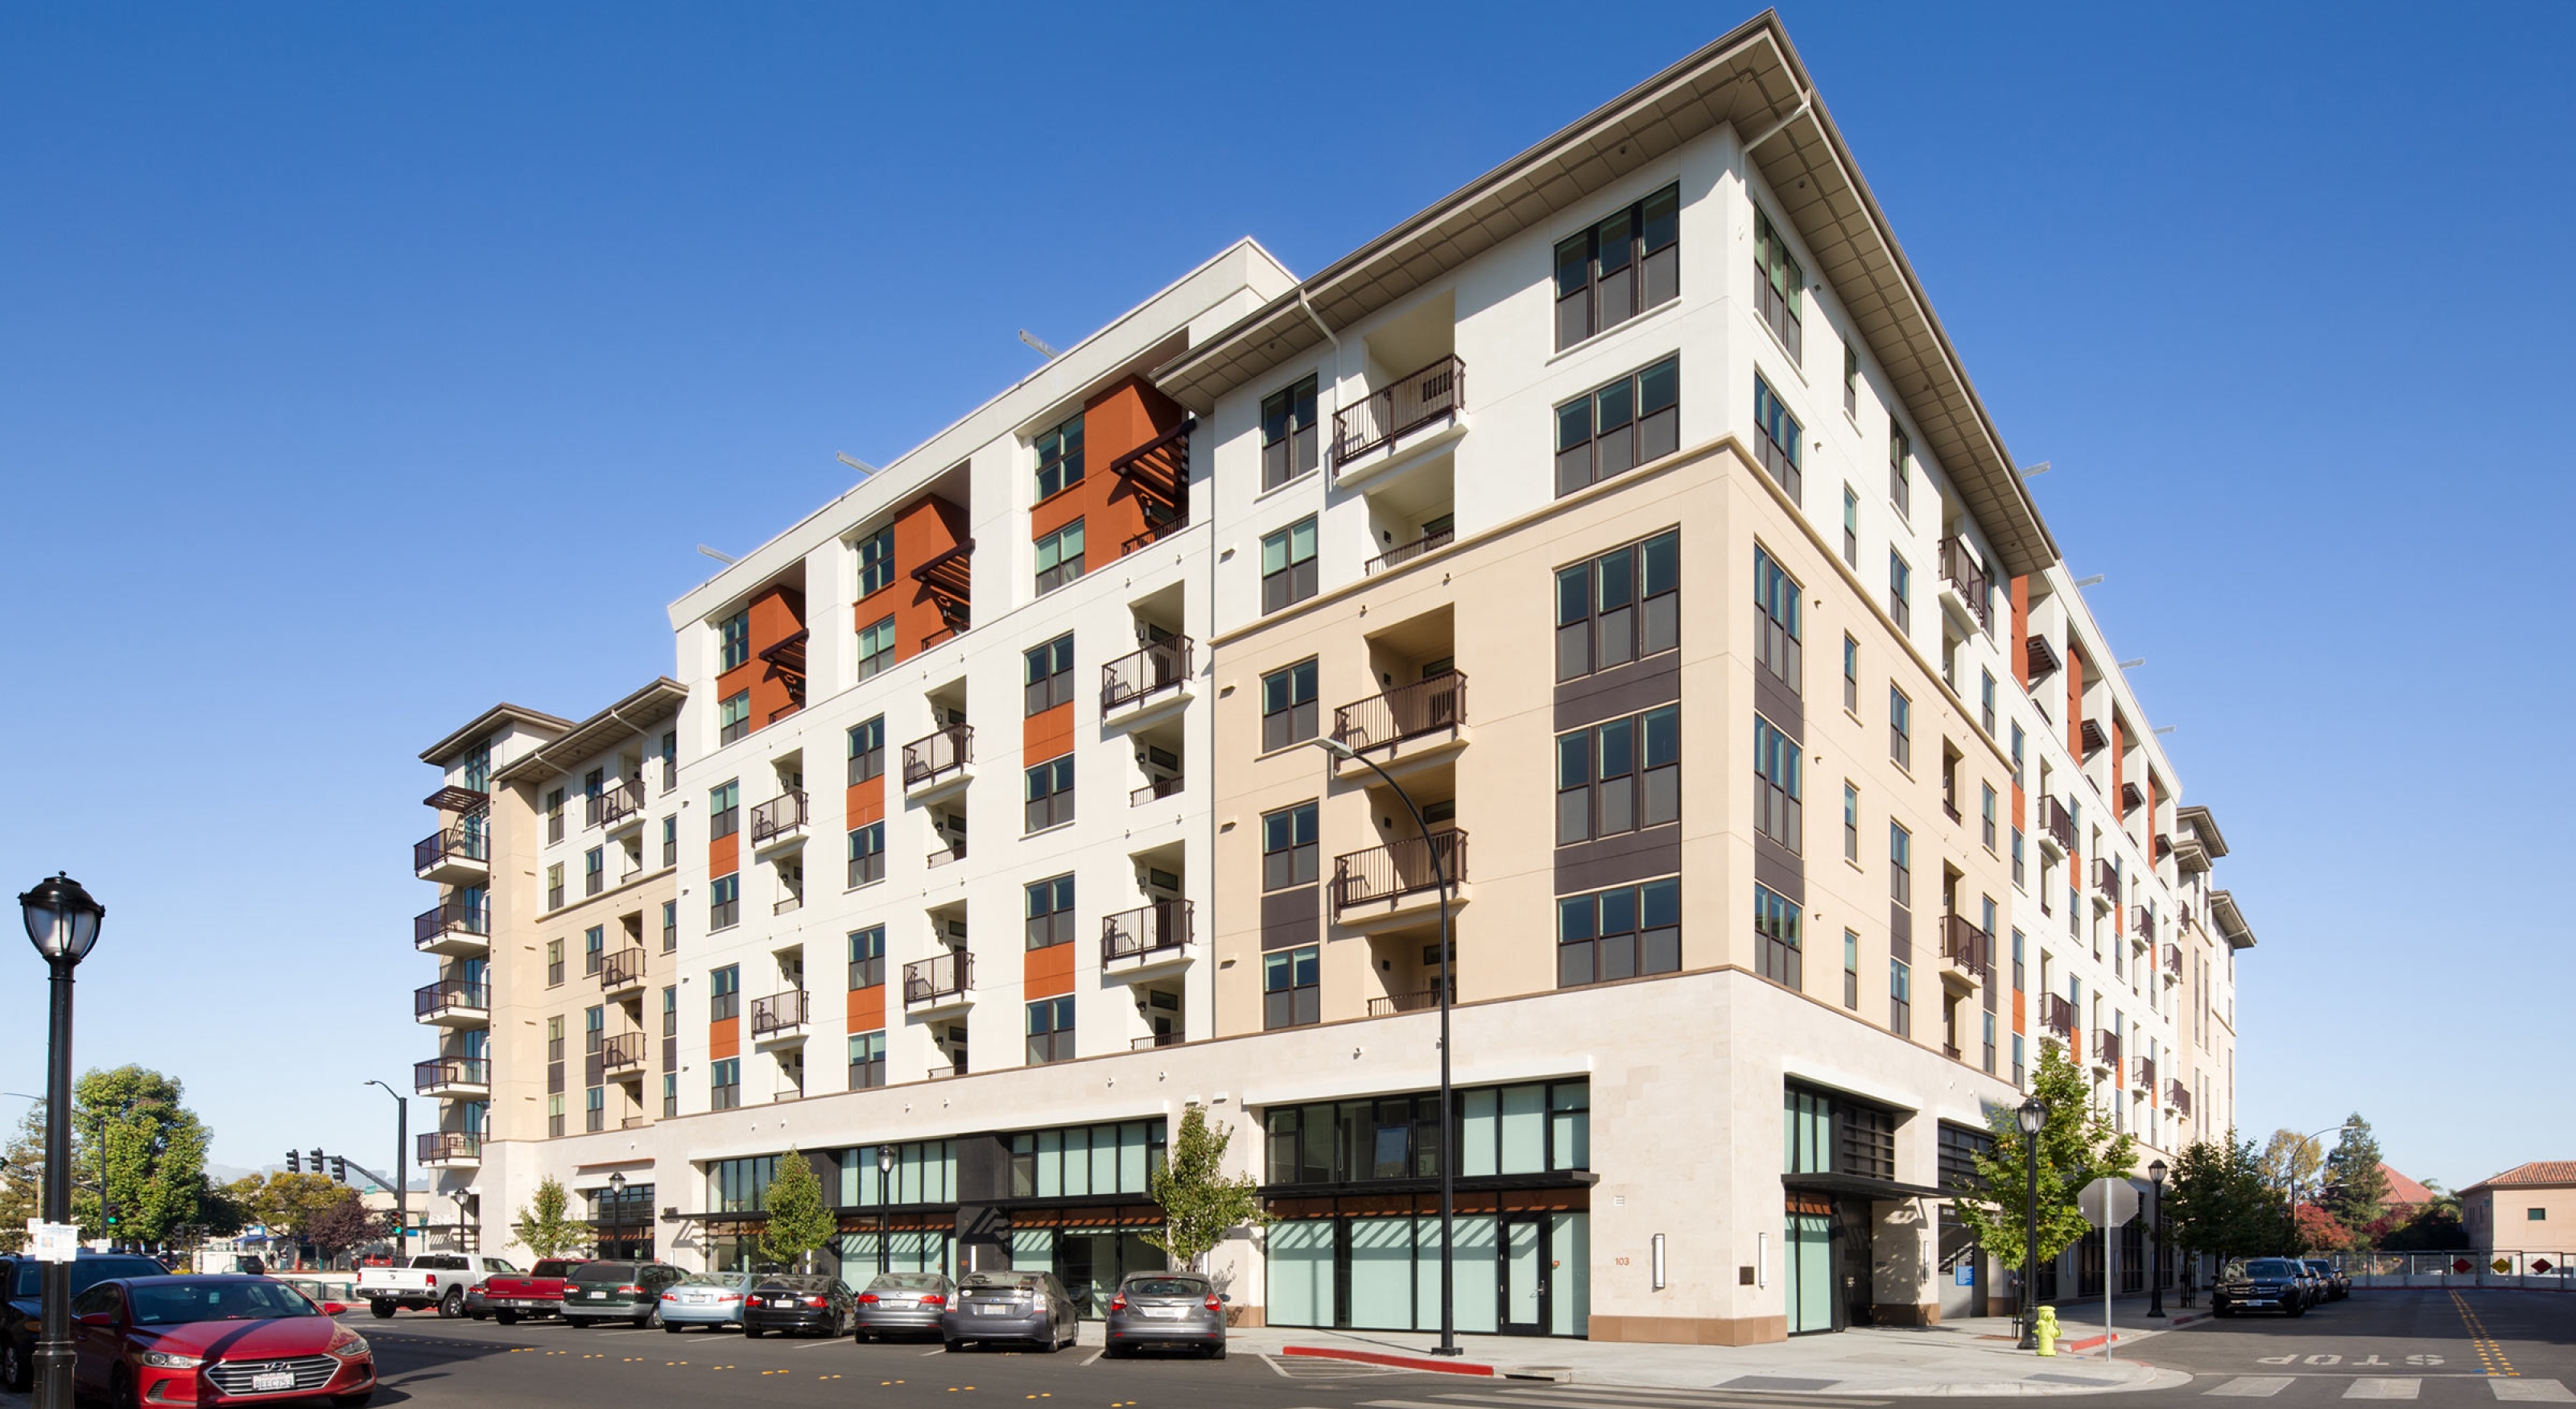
(1082, 1161)
(1538, 1128)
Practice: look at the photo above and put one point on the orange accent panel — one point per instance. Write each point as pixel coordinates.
(2021, 630)
(2019, 1004)
(867, 1008)
(724, 1038)
(1047, 734)
(724, 856)
(2075, 704)
(776, 614)
(866, 803)
(1114, 422)
(923, 529)
(1048, 972)
(2119, 752)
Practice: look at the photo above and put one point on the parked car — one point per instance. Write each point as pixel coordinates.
(902, 1302)
(433, 1279)
(2337, 1284)
(22, 1280)
(209, 1339)
(617, 1291)
(538, 1291)
(2260, 1284)
(1166, 1308)
(797, 1305)
(709, 1299)
(1010, 1306)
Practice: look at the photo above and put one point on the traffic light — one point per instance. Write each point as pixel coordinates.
(339, 1170)
(111, 1214)
(317, 1159)
(295, 1161)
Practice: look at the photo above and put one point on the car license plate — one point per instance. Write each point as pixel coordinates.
(599, 1296)
(279, 1379)
(1167, 1313)
(782, 1301)
(991, 1310)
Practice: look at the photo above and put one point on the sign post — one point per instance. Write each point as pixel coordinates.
(2108, 1203)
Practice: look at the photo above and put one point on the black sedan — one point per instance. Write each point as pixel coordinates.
(797, 1306)
(2336, 1282)
(2260, 1284)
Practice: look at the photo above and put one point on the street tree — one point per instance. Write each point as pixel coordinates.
(342, 1224)
(285, 1203)
(1199, 1201)
(132, 1125)
(2290, 1159)
(801, 1220)
(22, 1183)
(2356, 1186)
(2077, 1146)
(2216, 1201)
(544, 1228)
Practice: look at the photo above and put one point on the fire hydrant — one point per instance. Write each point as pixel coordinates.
(2045, 1330)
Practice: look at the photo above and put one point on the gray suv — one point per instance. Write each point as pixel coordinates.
(1029, 1307)
(1166, 1308)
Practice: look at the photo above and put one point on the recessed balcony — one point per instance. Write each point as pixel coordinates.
(1967, 589)
(1401, 421)
(2057, 1015)
(2177, 1096)
(622, 972)
(623, 1056)
(2173, 963)
(460, 856)
(452, 1077)
(780, 1017)
(943, 983)
(1398, 884)
(1965, 950)
(779, 822)
(2056, 827)
(2142, 1074)
(621, 808)
(448, 1149)
(453, 1003)
(1404, 728)
(455, 929)
(1417, 1001)
(939, 764)
(2106, 883)
(1146, 684)
(2106, 1051)
(1151, 939)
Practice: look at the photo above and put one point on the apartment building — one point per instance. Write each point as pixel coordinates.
(1532, 510)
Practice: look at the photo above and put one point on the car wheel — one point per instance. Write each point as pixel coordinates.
(671, 1327)
(452, 1305)
(16, 1374)
(1217, 1351)
(120, 1389)
(2296, 1308)
(952, 1347)
(577, 1322)
(652, 1317)
(750, 1332)
(384, 1310)
(506, 1318)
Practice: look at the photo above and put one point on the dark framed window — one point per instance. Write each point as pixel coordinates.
(555, 886)
(867, 854)
(724, 993)
(876, 561)
(1050, 1031)
(1900, 865)
(1775, 623)
(867, 1060)
(1622, 606)
(733, 716)
(1619, 933)
(594, 870)
(1986, 702)
(1900, 590)
(1619, 268)
(1986, 812)
(671, 840)
(867, 957)
(1060, 557)
(1046, 675)
(1864, 1140)
(554, 814)
(1291, 444)
(1775, 443)
(554, 964)
(1851, 380)
(1775, 930)
(1851, 823)
(724, 902)
(1289, 714)
(1050, 912)
(1851, 674)
(1851, 971)
(1900, 477)
(1537, 1128)
(594, 786)
(1779, 285)
(1851, 528)
(670, 759)
(670, 925)
(1613, 428)
(1776, 792)
(1621, 775)
(594, 1029)
(1288, 571)
(724, 1084)
(1060, 457)
(1289, 854)
(1900, 998)
(734, 636)
(876, 647)
(1050, 794)
(594, 949)
(1290, 996)
(594, 1110)
(867, 750)
(1900, 728)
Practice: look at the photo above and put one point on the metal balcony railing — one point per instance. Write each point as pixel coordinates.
(1407, 404)
(2106, 1049)
(939, 976)
(1413, 1002)
(1154, 791)
(1159, 1039)
(1403, 553)
(456, 916)
(2173, 961)
(2177, 1095)
(450, 995)
(462, 843)
(1974, 583)
(782, 1012)
(434, 1145)
(1132, 679)
(623, 969)
(2106, 878)
(626, 1049)
(450, 1071)
(1964, 945)
(927, 758)
(1160, 927)
(621, 802)
(1406, 712)
(1397, 869)
(2142, 1073)
(2058, 822)
(2058, 1016)
(778, 817)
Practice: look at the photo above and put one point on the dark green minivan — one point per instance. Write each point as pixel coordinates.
(617, 1291)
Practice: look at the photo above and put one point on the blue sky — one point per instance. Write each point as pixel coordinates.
(362, 365)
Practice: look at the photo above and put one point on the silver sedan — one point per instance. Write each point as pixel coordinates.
(1029, 1307)
(1166, 1308)
(709, 1299)
(902, 1303)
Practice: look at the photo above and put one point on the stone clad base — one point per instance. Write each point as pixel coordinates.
(1690, 1330)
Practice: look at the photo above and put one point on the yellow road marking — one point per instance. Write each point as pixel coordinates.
(2490, 1351)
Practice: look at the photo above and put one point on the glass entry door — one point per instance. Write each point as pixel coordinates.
(1524, 1270)
(1808, 1270)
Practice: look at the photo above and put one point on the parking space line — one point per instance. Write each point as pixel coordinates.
(937, 1350)
(2532, 1391)
(2383, 1387)
(1104, 1350)
(820, 1341)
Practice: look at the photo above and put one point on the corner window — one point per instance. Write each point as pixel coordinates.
(1046, 675)
(1060, 458)
(876, 561)
(1290, 441)
(733, 717)
(1620, 933)
(1775, 792)
(876, 647)
(1060, 557)
(1290, 995)
(1050, 794)
(1622, 606)
(1775, 929)
(1289, 714)
(1621, 775)
(1288, 572)
(734, 636)
(1050, 1031)
(1610, 429)
(1050, 912)
(1289, 855)
(1619, 268)
(1778, 285)
(1775, 621)
(1775, 443)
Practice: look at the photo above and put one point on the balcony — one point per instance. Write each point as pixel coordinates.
(1399, 419)
(622, 970)
(2132, 797)
(455, 929)
(622, 807)
(1149, 938)
(949, 579)
(452, 1076)
(779, 821)
(1417, 723)
(2057, 1014)
(2106, 879)
(939, 763)
(1146, 682)
(1154, 791)
(1965, 950)
(2106, 1050)
(453, 856)
(2057, 826)
(1403, 553)
(624, 1053)
(447, 1149)
(1158, 474)
(2091, 738)
(779, 1017)
(452, 1003)
(2142, 923)
(2173, 963)
(2142, 1074)
(1967, 582)
(2177, 1096)
(2040, 654)
(1418, 1000)
(1159, 1039)
(941, 983)
(1387, 886)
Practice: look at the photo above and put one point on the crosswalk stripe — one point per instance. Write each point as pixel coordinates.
(2384, 1387)
(1401, 1404)
(1607, 1398)
(2532, 1391)
(1630, 1394)
(2252, 1386)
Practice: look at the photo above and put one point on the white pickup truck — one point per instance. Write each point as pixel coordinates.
(434, 1279)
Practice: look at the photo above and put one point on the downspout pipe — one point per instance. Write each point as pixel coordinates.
(1333, 388)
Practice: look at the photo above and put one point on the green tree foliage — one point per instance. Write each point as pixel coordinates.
(2356, 1187)
(131, 1123)
(1199, 1201)
(286, 1204)
(800, 1218)
(544, 1227)
(2290, 1159)
(2075, 1147)
(22, 1184)
(2216, 1202)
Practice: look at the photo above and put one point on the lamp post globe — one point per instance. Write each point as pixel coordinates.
(62, 919)
(2156, 1230)
(2031, 1117)
(62, 922)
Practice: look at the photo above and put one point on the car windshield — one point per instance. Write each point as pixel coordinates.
(605, 1272)
(1165, 1286)
(796, 1284)
(908, 1282)
(88, 1272)
(730, 1281)
(175, 1303)
(2273, 1267)
(2320, 1267)
(555, 1267)
(1003, 1281)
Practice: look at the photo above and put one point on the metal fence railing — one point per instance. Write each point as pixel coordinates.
(2475, 1267)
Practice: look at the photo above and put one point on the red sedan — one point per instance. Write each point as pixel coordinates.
(213, 1340)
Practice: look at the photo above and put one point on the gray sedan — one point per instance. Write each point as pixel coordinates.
(1166, 1308)
(906, 1302)
(1011, 1306)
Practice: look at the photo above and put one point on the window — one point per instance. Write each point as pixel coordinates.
(1900, 589)
(867, 854)
(867, 1060)
(554, 814)
(1060, 557)
(1900, 482)
(2017, 943)
(1047, 675)
(2535, 1215)
(1086, 1160)
(554, 1115)
(1778, 283)
(1851, 674)
(1990, 1043)
(1986, 813)
(671, 840)
(1288, 847)
(1288, 572)
(555, 886)
(670, 925)
(1620, 933)
(1289, 996)
(1050, 913)
(1900, 865)
(1050, 794)
(734, 634)
(1289, 438)
(1900, 728)
(2016, 755)
(1900, 998)
(867, 750)
(724, 809)
(1986, 703)
(2019, 883)
(1527, 1129)
(1851, 380)
(724, 902)
(1851, 528)
(1622, 606)
(1050, 1031)
(1775, 792)
(876, 648)
(1777, 445)
(876, 561)
(592, 787)
(1851, 971)
(554, 963)
(1775, 622)
(594, 1029)
(724, 1084)
(594, 949)
(1060, 458)
(867, 957)
(1289, 714)
(1620, 775)
(2017, 1068)
(1775, 929)
(1851, 824)
(1611, 429)
(670, 759)
(1619, 268)
(594, 870)
(724, 993)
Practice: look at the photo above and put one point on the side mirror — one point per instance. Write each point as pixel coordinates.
(96, 1318)
(1225, 1297)
(334, 1308)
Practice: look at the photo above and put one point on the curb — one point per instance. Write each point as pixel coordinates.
(1401, 1362)
(2095, 1342)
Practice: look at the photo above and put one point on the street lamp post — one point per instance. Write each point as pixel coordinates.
(2032, 1118)
(2156, 1230)
(63, 923)
(1440, 879)
(459, 1196)
(616, 1219)
(402, 1169)
(885, 1219)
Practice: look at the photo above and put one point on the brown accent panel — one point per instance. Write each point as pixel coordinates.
(1611, 861)
(1048, 972)
(2021, 1008)
(1047, 733)
(1623, 689)
(2021, 630)
(1900, 932)
(1780, 868)
(866, 1008)
(1127, 415)
(865, 803)
(724, 1038)
(1688, 1330)
(776, 614)
(2075, 703)
(724, 856)
(923, 529)
(1291, 917)
(1779, 704)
